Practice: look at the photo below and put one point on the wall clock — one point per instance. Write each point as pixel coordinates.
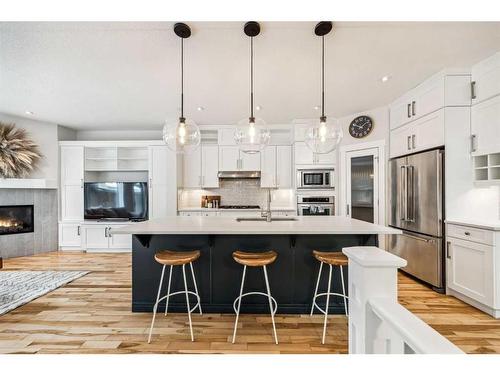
(361, 126)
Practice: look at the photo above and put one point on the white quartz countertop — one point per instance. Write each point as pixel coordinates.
(486, 224)
(229, 225)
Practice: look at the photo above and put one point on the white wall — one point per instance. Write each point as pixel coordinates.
(45, 135)
(380, 117)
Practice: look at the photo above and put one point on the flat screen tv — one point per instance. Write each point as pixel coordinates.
(116, 200)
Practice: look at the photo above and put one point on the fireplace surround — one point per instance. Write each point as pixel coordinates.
(15, 219)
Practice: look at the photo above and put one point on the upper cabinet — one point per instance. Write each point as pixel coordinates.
(485, 114)
(201, 167)
(232, 159)
(276, 167)
(486, 79)
(440, 90)
(304, 156)
(72, 179)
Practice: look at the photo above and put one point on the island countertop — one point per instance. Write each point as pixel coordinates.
(229, 225)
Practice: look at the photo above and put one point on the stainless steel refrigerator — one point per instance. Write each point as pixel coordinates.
(417, 207)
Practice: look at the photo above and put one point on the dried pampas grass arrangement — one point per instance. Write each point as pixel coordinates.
(19, 155)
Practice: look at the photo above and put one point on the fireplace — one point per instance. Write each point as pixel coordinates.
(16, 219)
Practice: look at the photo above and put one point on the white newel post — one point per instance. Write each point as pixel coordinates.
(372, 273)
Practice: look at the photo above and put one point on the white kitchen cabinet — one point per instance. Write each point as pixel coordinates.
(276, 167)
(470, 269)
(159, 176)
(304, 156)
(210, 166)
(472, 258)
(486, 79)
(201, 167)
(232, 159)
(192, 169)
(440, 90)
(98, 238)
(268, 167)
(226, 137)
(70, 236)
(229, 158)
(72, 179)
(485, 126)
(422, 134)
(284, 167)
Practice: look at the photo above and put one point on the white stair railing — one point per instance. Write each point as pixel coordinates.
(377, 322)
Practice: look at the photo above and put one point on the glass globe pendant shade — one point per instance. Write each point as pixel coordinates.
(182, 135)
(323, 136)
(252, 135)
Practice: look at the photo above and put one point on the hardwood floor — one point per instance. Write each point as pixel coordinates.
(92, 315)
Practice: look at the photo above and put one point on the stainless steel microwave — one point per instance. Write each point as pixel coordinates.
(315, 178)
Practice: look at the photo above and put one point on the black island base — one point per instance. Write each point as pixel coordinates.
(292, 277)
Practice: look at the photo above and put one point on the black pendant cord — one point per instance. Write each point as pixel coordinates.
(182, 79)
(323, 78)
(252, 118)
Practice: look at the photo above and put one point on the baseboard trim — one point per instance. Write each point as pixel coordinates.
(495, 313)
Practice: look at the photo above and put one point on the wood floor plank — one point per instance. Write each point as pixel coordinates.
(92, 315)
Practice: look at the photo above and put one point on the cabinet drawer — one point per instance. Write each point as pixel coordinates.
(471, 234)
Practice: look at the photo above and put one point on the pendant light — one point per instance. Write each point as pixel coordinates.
(323, 136)
(251, 133)
(182, 135)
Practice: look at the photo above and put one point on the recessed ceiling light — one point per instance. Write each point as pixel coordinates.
(317, 107)
(258, 108)
(29, 113)
(385, 78)
(200, 108)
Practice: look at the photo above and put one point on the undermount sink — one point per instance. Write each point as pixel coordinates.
(238, 219)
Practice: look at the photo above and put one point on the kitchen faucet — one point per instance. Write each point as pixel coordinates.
(267, 213)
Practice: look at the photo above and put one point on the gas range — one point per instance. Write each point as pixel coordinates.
(239, 207)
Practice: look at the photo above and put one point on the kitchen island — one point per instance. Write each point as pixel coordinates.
(292, 276)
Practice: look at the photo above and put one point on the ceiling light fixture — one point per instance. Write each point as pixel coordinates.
(323, 136)
(29, 113)
(258, 108)
(385, 78)
(251, 134)
(200, 109)
(182, 135)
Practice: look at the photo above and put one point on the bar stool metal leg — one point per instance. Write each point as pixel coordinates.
(156, 304)
(196, 287)
(343, 289)
(239, 303)
(187, 301)
(270, 304)
(317, 285)
(168, 289)
(327, 303)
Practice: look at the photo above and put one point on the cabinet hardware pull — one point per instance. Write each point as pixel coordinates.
(78, 231)
(109, 233)
(106, 232)
(408, 109)
(413, 141)
(448, 244)
(408, 144)
(418, 238)
(413, 110)
(473, 90)
(473, 139)
(347, 209)
(467, 233)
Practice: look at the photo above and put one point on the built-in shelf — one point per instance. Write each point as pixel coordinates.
(106, 159)
(27, 183)
(487, 169)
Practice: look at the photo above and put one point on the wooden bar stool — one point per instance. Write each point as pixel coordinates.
(255, 260)
(176, 258)
(332, 259)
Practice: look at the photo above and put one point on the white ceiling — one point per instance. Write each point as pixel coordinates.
(126, 75)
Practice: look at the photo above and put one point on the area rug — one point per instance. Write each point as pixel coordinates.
(20, 287)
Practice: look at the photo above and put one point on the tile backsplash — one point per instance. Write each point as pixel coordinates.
(238, 192)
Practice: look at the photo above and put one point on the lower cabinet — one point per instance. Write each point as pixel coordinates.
(99, 238)
(70, 236)
(470, 268)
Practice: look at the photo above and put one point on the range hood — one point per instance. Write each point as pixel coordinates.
(239, 174)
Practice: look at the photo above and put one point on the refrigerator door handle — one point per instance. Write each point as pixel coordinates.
(404, 193)
(411, 193)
